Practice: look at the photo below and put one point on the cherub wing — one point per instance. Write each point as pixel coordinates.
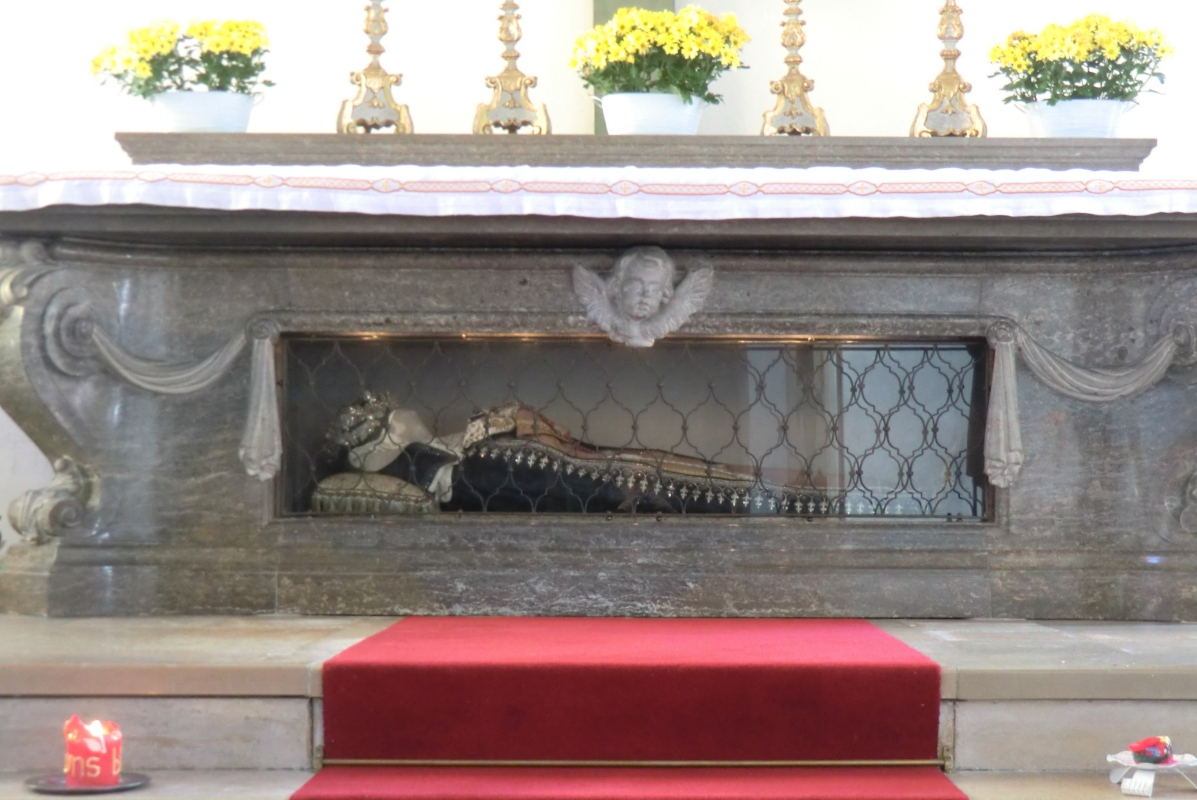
(592, 291)
(688, 299)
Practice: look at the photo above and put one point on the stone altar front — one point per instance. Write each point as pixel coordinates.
(153, 512)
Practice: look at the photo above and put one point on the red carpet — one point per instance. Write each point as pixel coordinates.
(631, 690)
(545, 689)
(588, 783)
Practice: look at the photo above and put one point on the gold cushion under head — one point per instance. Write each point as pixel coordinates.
(369, 493)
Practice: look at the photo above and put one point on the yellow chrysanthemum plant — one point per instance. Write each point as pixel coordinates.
(660, 51)
(1093, 58)
(220, 55)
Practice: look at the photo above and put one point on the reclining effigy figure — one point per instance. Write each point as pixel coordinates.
(513, 459)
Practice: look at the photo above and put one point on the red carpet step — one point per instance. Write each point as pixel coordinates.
(592, 783)
(545, 689)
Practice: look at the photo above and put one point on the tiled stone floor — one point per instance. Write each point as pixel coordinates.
(225, 785)
(280, 785)
(1061, 786)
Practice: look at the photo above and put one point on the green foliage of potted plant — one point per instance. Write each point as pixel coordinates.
(1078, 80)
(653, 70)
(162, 63)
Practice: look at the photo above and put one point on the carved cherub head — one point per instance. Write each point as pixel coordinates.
(638, 303)
(642, 282)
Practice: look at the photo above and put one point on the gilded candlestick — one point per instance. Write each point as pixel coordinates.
(794, 114)
(511, 109)
(949, 113)
(374, 107)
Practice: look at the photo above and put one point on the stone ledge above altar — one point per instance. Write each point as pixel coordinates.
(787, 152)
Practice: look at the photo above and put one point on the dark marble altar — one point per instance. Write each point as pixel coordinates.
(168, 521)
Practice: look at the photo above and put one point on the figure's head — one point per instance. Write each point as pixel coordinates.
(642, 282)
(362, 421)
(375, 432)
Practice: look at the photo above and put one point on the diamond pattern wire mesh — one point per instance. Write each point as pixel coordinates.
(705, 426)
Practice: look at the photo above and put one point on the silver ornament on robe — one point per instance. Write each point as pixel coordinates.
(639, 303)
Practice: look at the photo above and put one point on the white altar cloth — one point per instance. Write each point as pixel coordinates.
(642, 193)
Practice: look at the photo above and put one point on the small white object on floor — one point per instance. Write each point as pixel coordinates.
(1140, 783)
(1138, 780)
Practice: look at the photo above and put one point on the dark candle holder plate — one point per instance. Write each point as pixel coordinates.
(56, 784)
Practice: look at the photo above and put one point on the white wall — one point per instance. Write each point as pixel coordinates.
(22, 467)
(872, 61)
(52, 109)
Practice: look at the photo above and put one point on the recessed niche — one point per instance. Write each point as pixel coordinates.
(806, 429)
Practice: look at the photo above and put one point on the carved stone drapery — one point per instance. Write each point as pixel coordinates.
(1004, 453)
(261, 448)
(77, 346)
(1003, 437)
(163, 377)
(1099, 385)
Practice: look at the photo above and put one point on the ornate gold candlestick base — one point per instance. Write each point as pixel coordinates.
(793, 114)
(949, 112)
(374, 108)
(511, 109)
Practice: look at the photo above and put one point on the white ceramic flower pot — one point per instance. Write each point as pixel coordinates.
(1077, 118)
(651, 113)
(204, 112)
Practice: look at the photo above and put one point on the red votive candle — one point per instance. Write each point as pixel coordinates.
(93, 753)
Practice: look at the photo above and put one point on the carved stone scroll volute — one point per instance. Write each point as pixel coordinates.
(44, 514)
(41, 515)
(21, 265)
(1186, 515)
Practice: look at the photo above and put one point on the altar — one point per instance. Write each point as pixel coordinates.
(904, 392)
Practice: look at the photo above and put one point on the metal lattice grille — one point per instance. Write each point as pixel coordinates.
(405, 425)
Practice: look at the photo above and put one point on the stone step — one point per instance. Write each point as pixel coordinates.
(198, 693)
(222, 693)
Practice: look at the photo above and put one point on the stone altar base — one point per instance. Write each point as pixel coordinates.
(154, 512)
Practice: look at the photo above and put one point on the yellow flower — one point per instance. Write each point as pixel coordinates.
(155, 40)
(1094, 38)
(244, 37)
(632, 32)
(105, 61)
(202, 30)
